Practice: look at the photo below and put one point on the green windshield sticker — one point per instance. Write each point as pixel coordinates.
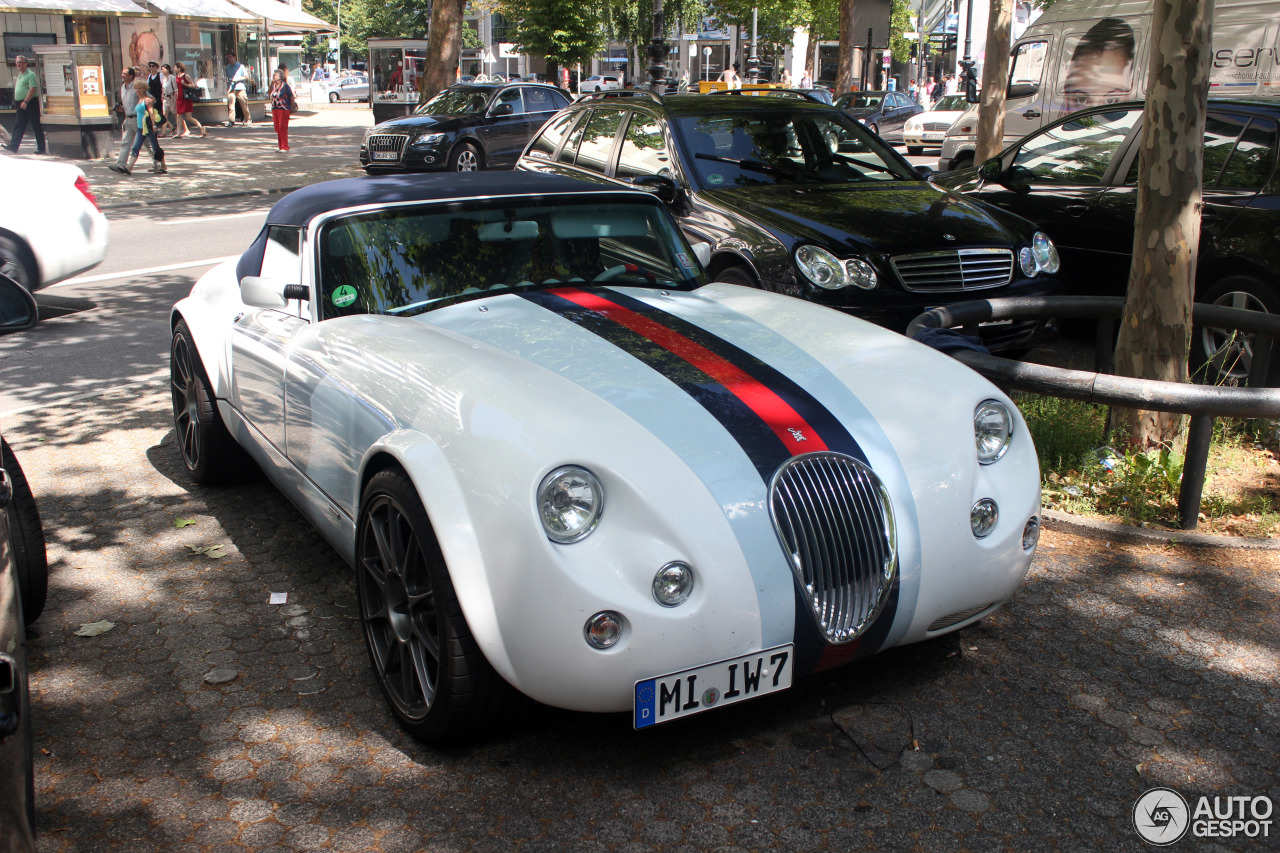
(715, 178)
(344, 296)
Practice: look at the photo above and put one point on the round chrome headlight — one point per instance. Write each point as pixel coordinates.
(1027, 262)
(859, 273)
(1031, 534)
(603, 630)
(913, 124)
(821, 267)
(673, 584)
(992, 430)
(570, 500)
(1046, 254)
(983, 517)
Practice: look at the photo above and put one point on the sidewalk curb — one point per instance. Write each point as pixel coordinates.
(1057, 520)
(122, 205)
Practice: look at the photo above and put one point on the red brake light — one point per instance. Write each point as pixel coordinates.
(82, 184)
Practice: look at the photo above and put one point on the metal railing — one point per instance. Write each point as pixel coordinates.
(1204, 403)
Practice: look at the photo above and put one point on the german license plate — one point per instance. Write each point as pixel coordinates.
(386, 155)
(934, 135)
(682, 694)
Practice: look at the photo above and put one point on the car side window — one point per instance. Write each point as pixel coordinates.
(282, 256)
(538, 100)
(570, 150)
(512, 97)
(1253, 160)
(1077, 151)
(644, 149)
(597, 143)
(545, 145)
(1027, 66)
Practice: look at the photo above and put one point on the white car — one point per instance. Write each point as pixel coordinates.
(50, 226)
(565, 465)
(929, 128)
(596, 83)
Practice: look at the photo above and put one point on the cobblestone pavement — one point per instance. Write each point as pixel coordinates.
(207, 720)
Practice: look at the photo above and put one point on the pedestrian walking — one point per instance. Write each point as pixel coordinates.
(806, 79)
(913, 91)
(26, 95)
(729, 77)
(786, 78)
(184, 102)
(155, 84)
(126, 102)
(148, 120)
(170, 100)
(237, 77)
(282, 106)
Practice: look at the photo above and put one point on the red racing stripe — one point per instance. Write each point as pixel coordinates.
(792, 430)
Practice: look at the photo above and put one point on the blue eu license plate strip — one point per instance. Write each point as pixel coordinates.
(682, 694)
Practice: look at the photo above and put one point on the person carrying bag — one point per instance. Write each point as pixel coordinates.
(283, 104)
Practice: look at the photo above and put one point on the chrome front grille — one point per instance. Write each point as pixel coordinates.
(937, 126)
(384, 143)
(955, 269)
(834, 519)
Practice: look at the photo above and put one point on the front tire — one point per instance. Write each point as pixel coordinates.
(915, 150)
(738, 274)
(1224, 356)
(465, 158)
(430, 669)
(208, 450)
(27, 539)
(962, 161)
(333, 97)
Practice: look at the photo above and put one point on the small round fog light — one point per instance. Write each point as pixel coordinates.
(604, 629)
(982, 518)
(673, 584)
(1031, 534)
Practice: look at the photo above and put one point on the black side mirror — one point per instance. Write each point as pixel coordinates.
(1022, 90)
(925, 172)
(18, 310)
(502, 110)
(991, 170)
(667, 190)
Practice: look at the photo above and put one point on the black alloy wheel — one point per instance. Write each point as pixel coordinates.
(427, 663)
(26, 539)
(208, 450)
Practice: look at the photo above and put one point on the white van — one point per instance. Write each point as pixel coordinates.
(1083, 53)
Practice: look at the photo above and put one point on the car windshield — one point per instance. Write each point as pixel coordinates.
(406, 260)
(811, 146)
(456, 101)
(860, 101)
(951, 104)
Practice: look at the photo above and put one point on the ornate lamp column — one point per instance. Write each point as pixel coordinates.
(753, 61)
(658, 51)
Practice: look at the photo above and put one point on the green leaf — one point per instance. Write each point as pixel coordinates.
(183, 522)
(93, 629)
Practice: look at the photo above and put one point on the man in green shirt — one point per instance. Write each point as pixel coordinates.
(26, 96)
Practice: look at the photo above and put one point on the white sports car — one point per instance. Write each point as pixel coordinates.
(51, 229)
(564, 465)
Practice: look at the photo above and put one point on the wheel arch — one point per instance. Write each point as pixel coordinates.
(474, 142)
(435, 482)
(725, 258)
(1210, 271)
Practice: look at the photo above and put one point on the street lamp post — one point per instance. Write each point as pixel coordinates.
(658, 51)
(753, 61)
(338, 70)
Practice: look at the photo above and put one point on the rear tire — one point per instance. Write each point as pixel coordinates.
(27, 539)
(915, 150)
(210, 453)
(333, 97)
(431, 670)
(874, 128)
(1224, 356)
(16, 262)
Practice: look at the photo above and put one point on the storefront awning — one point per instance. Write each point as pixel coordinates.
(201, 10)
(283, 18)
(75, 7)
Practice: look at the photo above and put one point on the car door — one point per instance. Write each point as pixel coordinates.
(1056, 179)
(503, 131)
(540, 104)
(261, 338)
(1025, 107)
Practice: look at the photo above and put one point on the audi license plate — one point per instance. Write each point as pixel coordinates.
(681, 694)
(386, 155)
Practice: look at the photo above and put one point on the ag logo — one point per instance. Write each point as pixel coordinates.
(1161, 816)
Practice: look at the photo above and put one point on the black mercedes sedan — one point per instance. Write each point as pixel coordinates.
(462, 129)
(795, 197)
(1078, 180)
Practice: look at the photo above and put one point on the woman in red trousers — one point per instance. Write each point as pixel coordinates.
(282, 105)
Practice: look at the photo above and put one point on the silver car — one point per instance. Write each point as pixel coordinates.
(353, 87)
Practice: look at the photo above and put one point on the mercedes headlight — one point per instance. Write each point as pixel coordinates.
(1027, 262)
(992, 430)
(1045, 253)
(428, 138)
(914, 124)
(830, 273)
(570, 500)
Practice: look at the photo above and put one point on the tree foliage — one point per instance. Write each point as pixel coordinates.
(566, 32)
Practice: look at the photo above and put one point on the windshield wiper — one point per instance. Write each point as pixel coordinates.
(755, 165)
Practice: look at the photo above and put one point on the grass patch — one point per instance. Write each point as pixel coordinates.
(1082, 474)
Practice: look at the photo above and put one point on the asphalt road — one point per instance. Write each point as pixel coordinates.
(207, 719)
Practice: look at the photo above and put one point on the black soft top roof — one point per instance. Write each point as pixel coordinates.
(301, 206)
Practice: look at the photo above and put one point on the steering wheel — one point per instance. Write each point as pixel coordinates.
(611, 273)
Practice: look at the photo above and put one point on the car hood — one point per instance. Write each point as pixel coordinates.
(892, 217)
(860, 112)
(418, 123)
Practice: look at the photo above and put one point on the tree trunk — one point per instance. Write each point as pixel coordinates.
(444, 46)
(995, 73)
(848, 40)
(1155, 330)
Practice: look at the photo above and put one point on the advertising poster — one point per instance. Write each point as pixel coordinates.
(59, 84)
(93, 93)
(142, 41)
